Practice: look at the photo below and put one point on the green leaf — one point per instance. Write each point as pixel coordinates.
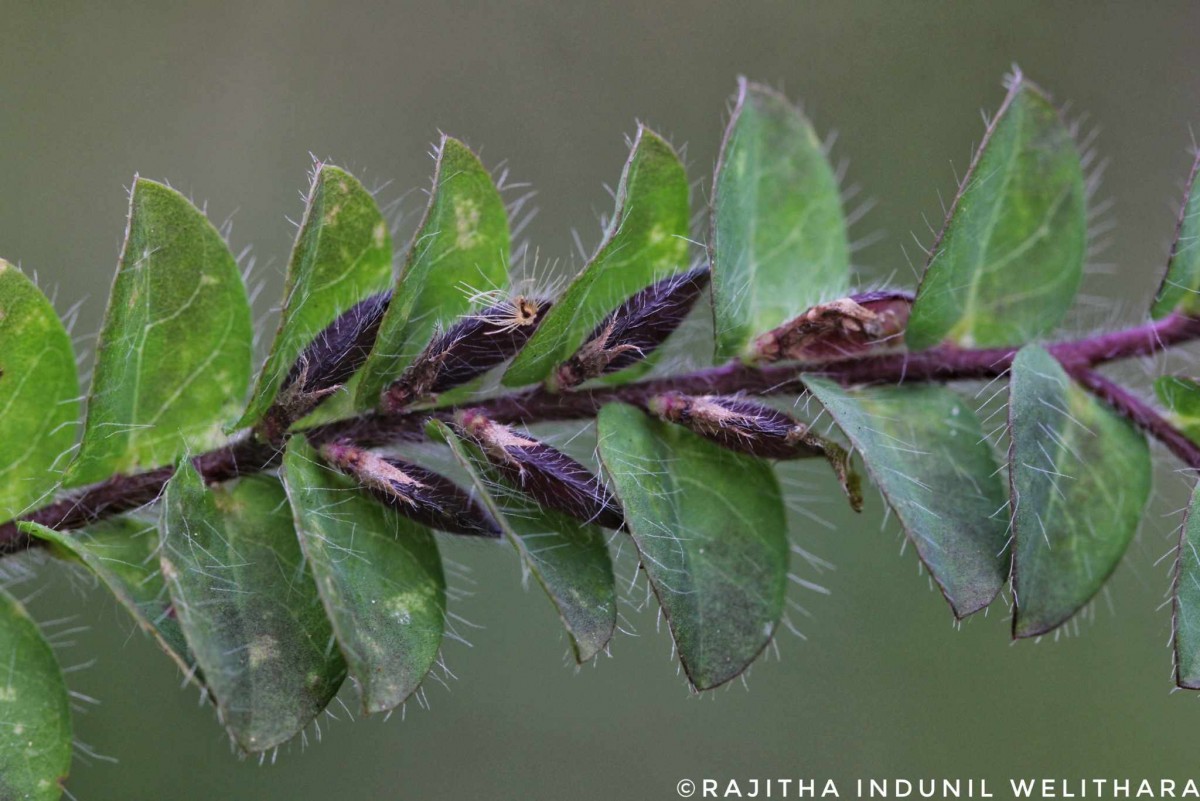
(711, 530)
(1080, 477)
(1180, 288)
(1187, 599)
(379, 576)
(569, 560)
(1181, 396)
(35, 738)
(646, 240)
(174, 356)
(460, 248)
(779, 243)
(248, 606)
(924, 449)
(39, 393)
(123, 553)
(342, 255)
(1009, 260)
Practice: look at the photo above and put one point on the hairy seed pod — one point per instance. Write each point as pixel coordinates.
(549, 476)
(326, 364)
(468, 349)
(413, 491)
(840, 328)
(748, 426)
(635, 329)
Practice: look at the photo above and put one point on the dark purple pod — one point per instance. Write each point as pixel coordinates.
(467, 350)
(549, 476)
(328, 362)
(747, 426)
(737, 424)
(419, 494)
(635, 329)
(839, 329)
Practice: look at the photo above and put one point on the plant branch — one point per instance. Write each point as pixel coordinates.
(247, 455)
(1141, 415)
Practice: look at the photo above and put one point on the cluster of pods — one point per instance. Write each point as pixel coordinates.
(630, 333)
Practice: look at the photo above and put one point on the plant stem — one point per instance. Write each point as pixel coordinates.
(1141, 415)
(248, 455)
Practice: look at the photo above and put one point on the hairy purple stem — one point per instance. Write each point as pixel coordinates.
(1141, 415)
(122, 493)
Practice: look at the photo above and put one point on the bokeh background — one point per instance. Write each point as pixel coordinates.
(226, 100)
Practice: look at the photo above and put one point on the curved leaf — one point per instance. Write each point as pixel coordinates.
(123, 553)
(1180, 289)
(1182, 397)
(1009, 259)
(379, 576)
(779, 243)
(712, 533)
(342, 255)
(1187, 599)
(174, 356)
(924, 449)
(569, 559)
(39, 393)
(461, 248)
(1080, 477)
(248, 606)
(646, 240)
(35, 735)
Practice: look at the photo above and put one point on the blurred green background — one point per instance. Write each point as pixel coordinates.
(226, 101)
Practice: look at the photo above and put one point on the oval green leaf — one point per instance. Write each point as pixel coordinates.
(1181, 396)
(247, 604)
(1080, 477)
(123, 554)
(460, 250)
(711, 530)
(646, 240)
(1187, 599)
(39, 393)
(779, 243)
(1180, 289)
(35, 738)
(924, 449)
(379, 576)
(174, 357)
(342, 255)
(569, 560)
(1008, 262)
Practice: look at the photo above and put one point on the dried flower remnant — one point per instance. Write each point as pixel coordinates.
(413, 491)
(325, 365)
(547, 475)
(636, 328)
(750, 427)
(467, 350)
(843, 327)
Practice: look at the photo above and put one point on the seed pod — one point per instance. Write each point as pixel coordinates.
(326, 364)
(747, 426)
(635, 329)
(549, 476)
(839, 328)
(413, 491)
(468, 349)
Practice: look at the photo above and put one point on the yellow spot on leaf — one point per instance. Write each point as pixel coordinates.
(264, 648)
(466, 222)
